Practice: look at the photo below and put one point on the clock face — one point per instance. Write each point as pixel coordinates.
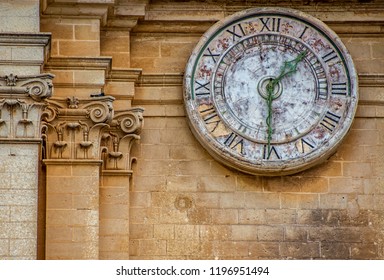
(270, 91)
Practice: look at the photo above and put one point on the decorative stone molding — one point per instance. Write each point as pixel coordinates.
(125, 128)
(22, 100)
(88, 129)
(72, 127)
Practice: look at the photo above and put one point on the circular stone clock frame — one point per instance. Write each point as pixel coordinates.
(270, 91)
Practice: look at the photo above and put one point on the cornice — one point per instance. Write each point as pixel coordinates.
(113, 14)
(371, 80)
(368, 28)
(94, 63)
(83, 63)
(84, 9)
(40, 39)
(124, 75)
(345, 17)
(163, 80)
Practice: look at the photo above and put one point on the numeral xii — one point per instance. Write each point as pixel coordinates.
(270, 24)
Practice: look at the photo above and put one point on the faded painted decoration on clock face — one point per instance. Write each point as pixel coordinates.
(270, 91)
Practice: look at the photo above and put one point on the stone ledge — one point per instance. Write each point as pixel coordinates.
(25, 39)
(71, 162)
(83, 63)
(117, 172)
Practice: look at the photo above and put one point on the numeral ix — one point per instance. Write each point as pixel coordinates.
(203, 88)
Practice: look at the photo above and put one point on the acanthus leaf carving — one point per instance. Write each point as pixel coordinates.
(90, 129)
(73, 127)
(117, 143)
(21, 105)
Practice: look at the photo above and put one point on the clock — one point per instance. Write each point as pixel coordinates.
(270, 91)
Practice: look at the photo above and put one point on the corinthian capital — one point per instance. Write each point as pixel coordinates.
(22, 100)
(117, 141)
(72, 127)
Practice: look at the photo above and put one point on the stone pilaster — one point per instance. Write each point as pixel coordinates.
(115, 183)
(22, 100)
(72, 130)
(81, 138)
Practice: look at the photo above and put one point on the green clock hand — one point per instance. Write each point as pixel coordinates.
(288, 68)
(270, 90)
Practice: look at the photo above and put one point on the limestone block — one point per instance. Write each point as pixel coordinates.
(19, 16)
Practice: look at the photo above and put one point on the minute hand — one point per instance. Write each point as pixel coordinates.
(288, 68)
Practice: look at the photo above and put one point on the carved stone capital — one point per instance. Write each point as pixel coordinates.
(72, 127)
(22, 100)
(117, 141)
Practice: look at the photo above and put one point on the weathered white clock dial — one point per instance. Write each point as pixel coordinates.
(270, 91)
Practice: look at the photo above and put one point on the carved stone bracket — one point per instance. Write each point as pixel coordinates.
(90, 129)
(22, 100)
(117, 141)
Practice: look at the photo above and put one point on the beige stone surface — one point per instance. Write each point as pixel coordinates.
(72, 213)
(179, 203)
(19, 16)
(18, 201)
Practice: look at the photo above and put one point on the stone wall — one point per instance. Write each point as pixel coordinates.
(22, 90)
(182, 203)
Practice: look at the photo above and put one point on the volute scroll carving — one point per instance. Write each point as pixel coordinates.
(90, 129)
(72, 127)
(22, 100)
(118, 140)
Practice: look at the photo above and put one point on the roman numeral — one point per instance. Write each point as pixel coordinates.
(329, 56)
(322, 89)
(271, 154)
(330, 121)
(339, 88)
(304, 146)
(211, 55)
(318, 68)
(270, 24)
(237, 32)
(234, 142)
(204, 87)
(210, 118)
(302, 33)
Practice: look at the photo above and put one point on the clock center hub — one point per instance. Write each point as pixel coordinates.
(263, 84)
